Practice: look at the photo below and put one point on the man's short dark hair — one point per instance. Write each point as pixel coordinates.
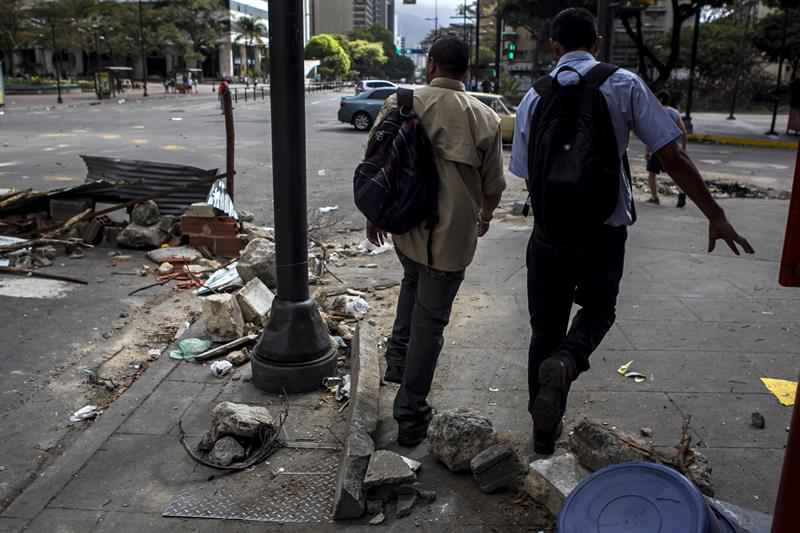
(575, 28)
(451, 54)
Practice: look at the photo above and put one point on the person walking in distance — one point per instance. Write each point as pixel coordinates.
(570, 144)
(654, 167)
(467, 143)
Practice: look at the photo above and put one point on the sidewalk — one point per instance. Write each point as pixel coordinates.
(746, 130)
(705, 328)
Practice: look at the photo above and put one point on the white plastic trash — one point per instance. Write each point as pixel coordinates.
(352, 306)
(87, 412)
(221, 367)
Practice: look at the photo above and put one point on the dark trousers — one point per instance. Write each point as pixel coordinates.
(423, 311)
(587, 274)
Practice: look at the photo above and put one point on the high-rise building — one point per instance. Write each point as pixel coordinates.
(384, 14)
(342, 16)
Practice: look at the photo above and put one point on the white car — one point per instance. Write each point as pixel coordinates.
(366, 85)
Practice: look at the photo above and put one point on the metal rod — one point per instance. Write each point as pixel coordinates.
(780, 72)
(289, 150)
(58, 64)
(498, 43)
(477, 36)
(142, 51)
(692, 68)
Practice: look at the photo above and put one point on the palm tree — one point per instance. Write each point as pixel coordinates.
(251, 31)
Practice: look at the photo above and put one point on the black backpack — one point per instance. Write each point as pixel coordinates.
(396, 186)
(573, 161)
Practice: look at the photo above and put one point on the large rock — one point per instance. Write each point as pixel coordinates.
(240, 420)
(496, 468)
(550, 481)
(255, 299)
(146, 214)
(387, 468)
(457, 436)
(141, 237)
(223, 317)
(258, 261)
(226, 451)
(597, 446)
(174, 254)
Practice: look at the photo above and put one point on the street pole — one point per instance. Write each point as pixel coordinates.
(141, 50)
(58, 64)
(603, 16)
(96, 63)
(295, 351)
(690, 99)
(498, 43)
(780, 71)
(477, 37)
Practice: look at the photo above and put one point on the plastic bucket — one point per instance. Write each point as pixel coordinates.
(638, 498)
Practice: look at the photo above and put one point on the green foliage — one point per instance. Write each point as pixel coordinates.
(322, 46)
(399, 67)
(375, 34)
(769, 36)
(368, 58)
(335, 66)
(250, 31)
(510, 87)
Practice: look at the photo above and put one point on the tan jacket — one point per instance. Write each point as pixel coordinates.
(467, 145)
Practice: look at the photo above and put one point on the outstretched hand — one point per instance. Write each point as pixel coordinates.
(722, 229)
(375, 235)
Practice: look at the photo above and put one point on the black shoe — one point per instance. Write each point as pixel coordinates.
(555, 376)
(681, 200)
(411, 432)
(394, 374)
(545, 443)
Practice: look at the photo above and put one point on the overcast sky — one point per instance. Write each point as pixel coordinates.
(411, 18)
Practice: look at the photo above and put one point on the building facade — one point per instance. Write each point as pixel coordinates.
(343, 16)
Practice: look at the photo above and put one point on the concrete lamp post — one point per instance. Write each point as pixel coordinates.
(295, 351)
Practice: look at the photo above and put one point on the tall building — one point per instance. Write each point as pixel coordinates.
(343, 16)
(235, 56)
(656, 22)
(384, 14)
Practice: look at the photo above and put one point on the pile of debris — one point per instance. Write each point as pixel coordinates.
(390, 477)
(240, 437)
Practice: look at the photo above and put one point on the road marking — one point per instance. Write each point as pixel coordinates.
(172, 147)
(137, 127)
(710, 161)
(57, 135)
(60, 178)
(138, 141)
(9, 164)
(109, 136)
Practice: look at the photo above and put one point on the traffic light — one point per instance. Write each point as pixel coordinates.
(510, 46)
(511, 51)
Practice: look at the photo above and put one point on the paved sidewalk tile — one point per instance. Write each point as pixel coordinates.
(66, 521)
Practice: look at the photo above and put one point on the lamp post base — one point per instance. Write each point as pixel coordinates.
(295, 351)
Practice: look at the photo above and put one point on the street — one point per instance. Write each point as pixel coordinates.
(703, 328)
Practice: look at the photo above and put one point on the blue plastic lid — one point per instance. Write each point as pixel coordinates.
(635, 498)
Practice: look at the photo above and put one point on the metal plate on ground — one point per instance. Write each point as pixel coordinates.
(295, 486)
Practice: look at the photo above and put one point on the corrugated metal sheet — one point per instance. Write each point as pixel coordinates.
(137, 179)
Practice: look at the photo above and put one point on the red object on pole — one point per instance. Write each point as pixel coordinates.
(787, 512)
(790, 264)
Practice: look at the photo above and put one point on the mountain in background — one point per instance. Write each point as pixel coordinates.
(411, 19)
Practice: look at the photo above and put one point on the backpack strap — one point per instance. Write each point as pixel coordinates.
(544, 86)
(598, 75)
(405, 99)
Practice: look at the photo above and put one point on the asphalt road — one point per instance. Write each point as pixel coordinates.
(41, 149)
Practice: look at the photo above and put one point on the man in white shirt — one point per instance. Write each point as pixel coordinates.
(589, 272)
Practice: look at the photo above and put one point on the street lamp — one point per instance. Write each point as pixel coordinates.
(690, 98)
(295, 351)
(780, 71)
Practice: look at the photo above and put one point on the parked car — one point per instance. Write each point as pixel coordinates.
(362, 109)
(366, 85)
(507, 112)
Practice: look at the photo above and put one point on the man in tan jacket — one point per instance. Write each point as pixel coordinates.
(467, 147)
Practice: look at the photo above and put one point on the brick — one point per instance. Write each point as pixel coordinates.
(550, 481)
(209, 227)
(496, 468)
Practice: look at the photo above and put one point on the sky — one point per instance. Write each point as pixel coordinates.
(411, 18)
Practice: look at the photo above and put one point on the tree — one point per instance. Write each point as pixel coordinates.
(368, 58)
(375, 34)
(334, 60)
(191, 27)
(14, 30)
(399, 67)
(769, 36)
(251, 32)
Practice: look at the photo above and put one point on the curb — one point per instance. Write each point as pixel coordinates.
(350, 498)
(743, 141)
(33, 500)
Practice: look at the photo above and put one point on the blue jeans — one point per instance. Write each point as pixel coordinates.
(423, 311)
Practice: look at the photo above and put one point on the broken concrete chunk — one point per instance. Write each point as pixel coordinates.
(258, 261)
(223, 317)
(252, 231)
(206, 444)
(255, 299)
(226, 451)
(497, 467)
(550, 481)
(387, 468)
(412, 464)
(141, 237)
(174, 254)
(458, 435)
(165, 268)
(238, 357)
(146, 213)
(378, 519)
(427, 496)
(240, 420)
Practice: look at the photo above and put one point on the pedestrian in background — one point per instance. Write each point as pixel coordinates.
(467, 144)
(582, 198)
(654, 167)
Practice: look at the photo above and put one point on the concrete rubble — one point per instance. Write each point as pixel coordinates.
(145, 214)
(258, 261)
(238, 357)
(226, 451)
(387, 468)
(240, 420)
(255, 300)
(457, 436)
(223, 317)
(497, 467)
(551, 480)
(142, 237)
